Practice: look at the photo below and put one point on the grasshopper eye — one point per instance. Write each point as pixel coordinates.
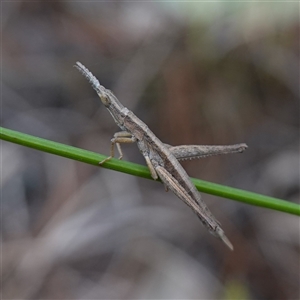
(105, 100)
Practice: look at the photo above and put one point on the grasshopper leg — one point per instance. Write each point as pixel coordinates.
(119, 137)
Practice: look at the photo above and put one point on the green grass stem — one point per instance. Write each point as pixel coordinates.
(142, 171)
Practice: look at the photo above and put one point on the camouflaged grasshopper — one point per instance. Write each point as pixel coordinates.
(162, 159)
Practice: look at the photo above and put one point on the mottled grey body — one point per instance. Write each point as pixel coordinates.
(162, 159)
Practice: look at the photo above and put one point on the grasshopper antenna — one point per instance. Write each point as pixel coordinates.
(89, 76)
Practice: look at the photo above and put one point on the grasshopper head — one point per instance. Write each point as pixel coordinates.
(105, 99)
(116, 109)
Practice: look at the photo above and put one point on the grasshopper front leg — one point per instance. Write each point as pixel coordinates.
(119, 137)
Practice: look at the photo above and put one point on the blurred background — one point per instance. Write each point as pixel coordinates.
(196, 73)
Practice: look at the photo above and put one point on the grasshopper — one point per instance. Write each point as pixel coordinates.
(161, 159)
